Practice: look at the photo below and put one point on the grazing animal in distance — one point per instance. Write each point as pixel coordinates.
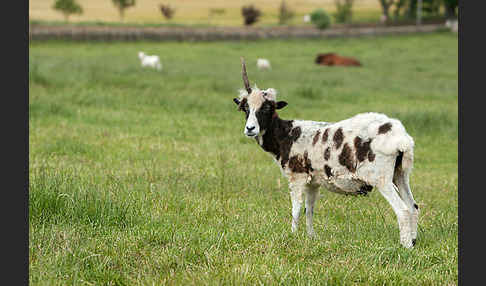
(352, 156)
(333, 59)
(149, 61)
(452, 24)
(263, 64)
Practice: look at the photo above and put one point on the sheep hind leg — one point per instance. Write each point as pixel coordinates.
(401, 180)
(401, 211)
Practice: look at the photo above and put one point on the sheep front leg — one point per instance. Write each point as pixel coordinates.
(298, 188)
(296, 191)
(311, 194)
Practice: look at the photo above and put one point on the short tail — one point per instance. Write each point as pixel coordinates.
(407, 161)
(404, 161)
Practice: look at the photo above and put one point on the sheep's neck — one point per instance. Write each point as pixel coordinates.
(278, 139)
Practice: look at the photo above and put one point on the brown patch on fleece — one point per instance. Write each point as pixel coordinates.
(384, 128)
(328, 171)
(316, 138)
(295, 133)
(327, 153)
(325, 135)
(346, 158)
(362, 148)
(296, 164)
(308, 163)
(371, 156)
(300, 164)
(338, 137)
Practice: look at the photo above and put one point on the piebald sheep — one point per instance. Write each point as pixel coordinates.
(352, 156)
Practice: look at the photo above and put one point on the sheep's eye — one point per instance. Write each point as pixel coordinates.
(244, 107)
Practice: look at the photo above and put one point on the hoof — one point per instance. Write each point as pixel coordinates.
(414, 241)
(408, 243)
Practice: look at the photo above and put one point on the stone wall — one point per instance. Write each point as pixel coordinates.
(103, 33)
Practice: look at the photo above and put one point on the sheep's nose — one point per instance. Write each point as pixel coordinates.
(250, 128)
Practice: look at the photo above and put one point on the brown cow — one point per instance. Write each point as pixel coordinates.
(333, 59)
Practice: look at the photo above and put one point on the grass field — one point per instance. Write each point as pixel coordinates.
(196, 12)
(139, 177)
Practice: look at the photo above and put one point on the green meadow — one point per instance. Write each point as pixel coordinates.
(144, 177)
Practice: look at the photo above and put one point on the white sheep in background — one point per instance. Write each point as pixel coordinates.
(263, 64)
(352, 156)
(452, 24)
(149, 61)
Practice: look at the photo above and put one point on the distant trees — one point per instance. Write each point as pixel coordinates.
(167, 11)
(431, 7)
(392, 10)
(285, 14)
(451, 7)
(385, 7)
(344, 10)
(67, 8)
(250, 14)
(408, 8)
(122, 5)
(320, 18)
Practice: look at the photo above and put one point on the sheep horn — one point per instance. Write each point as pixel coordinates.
(245, 76)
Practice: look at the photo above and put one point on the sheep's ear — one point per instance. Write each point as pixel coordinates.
(236, 101)
(281, 104)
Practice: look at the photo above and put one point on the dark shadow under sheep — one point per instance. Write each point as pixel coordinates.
(333, 59)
